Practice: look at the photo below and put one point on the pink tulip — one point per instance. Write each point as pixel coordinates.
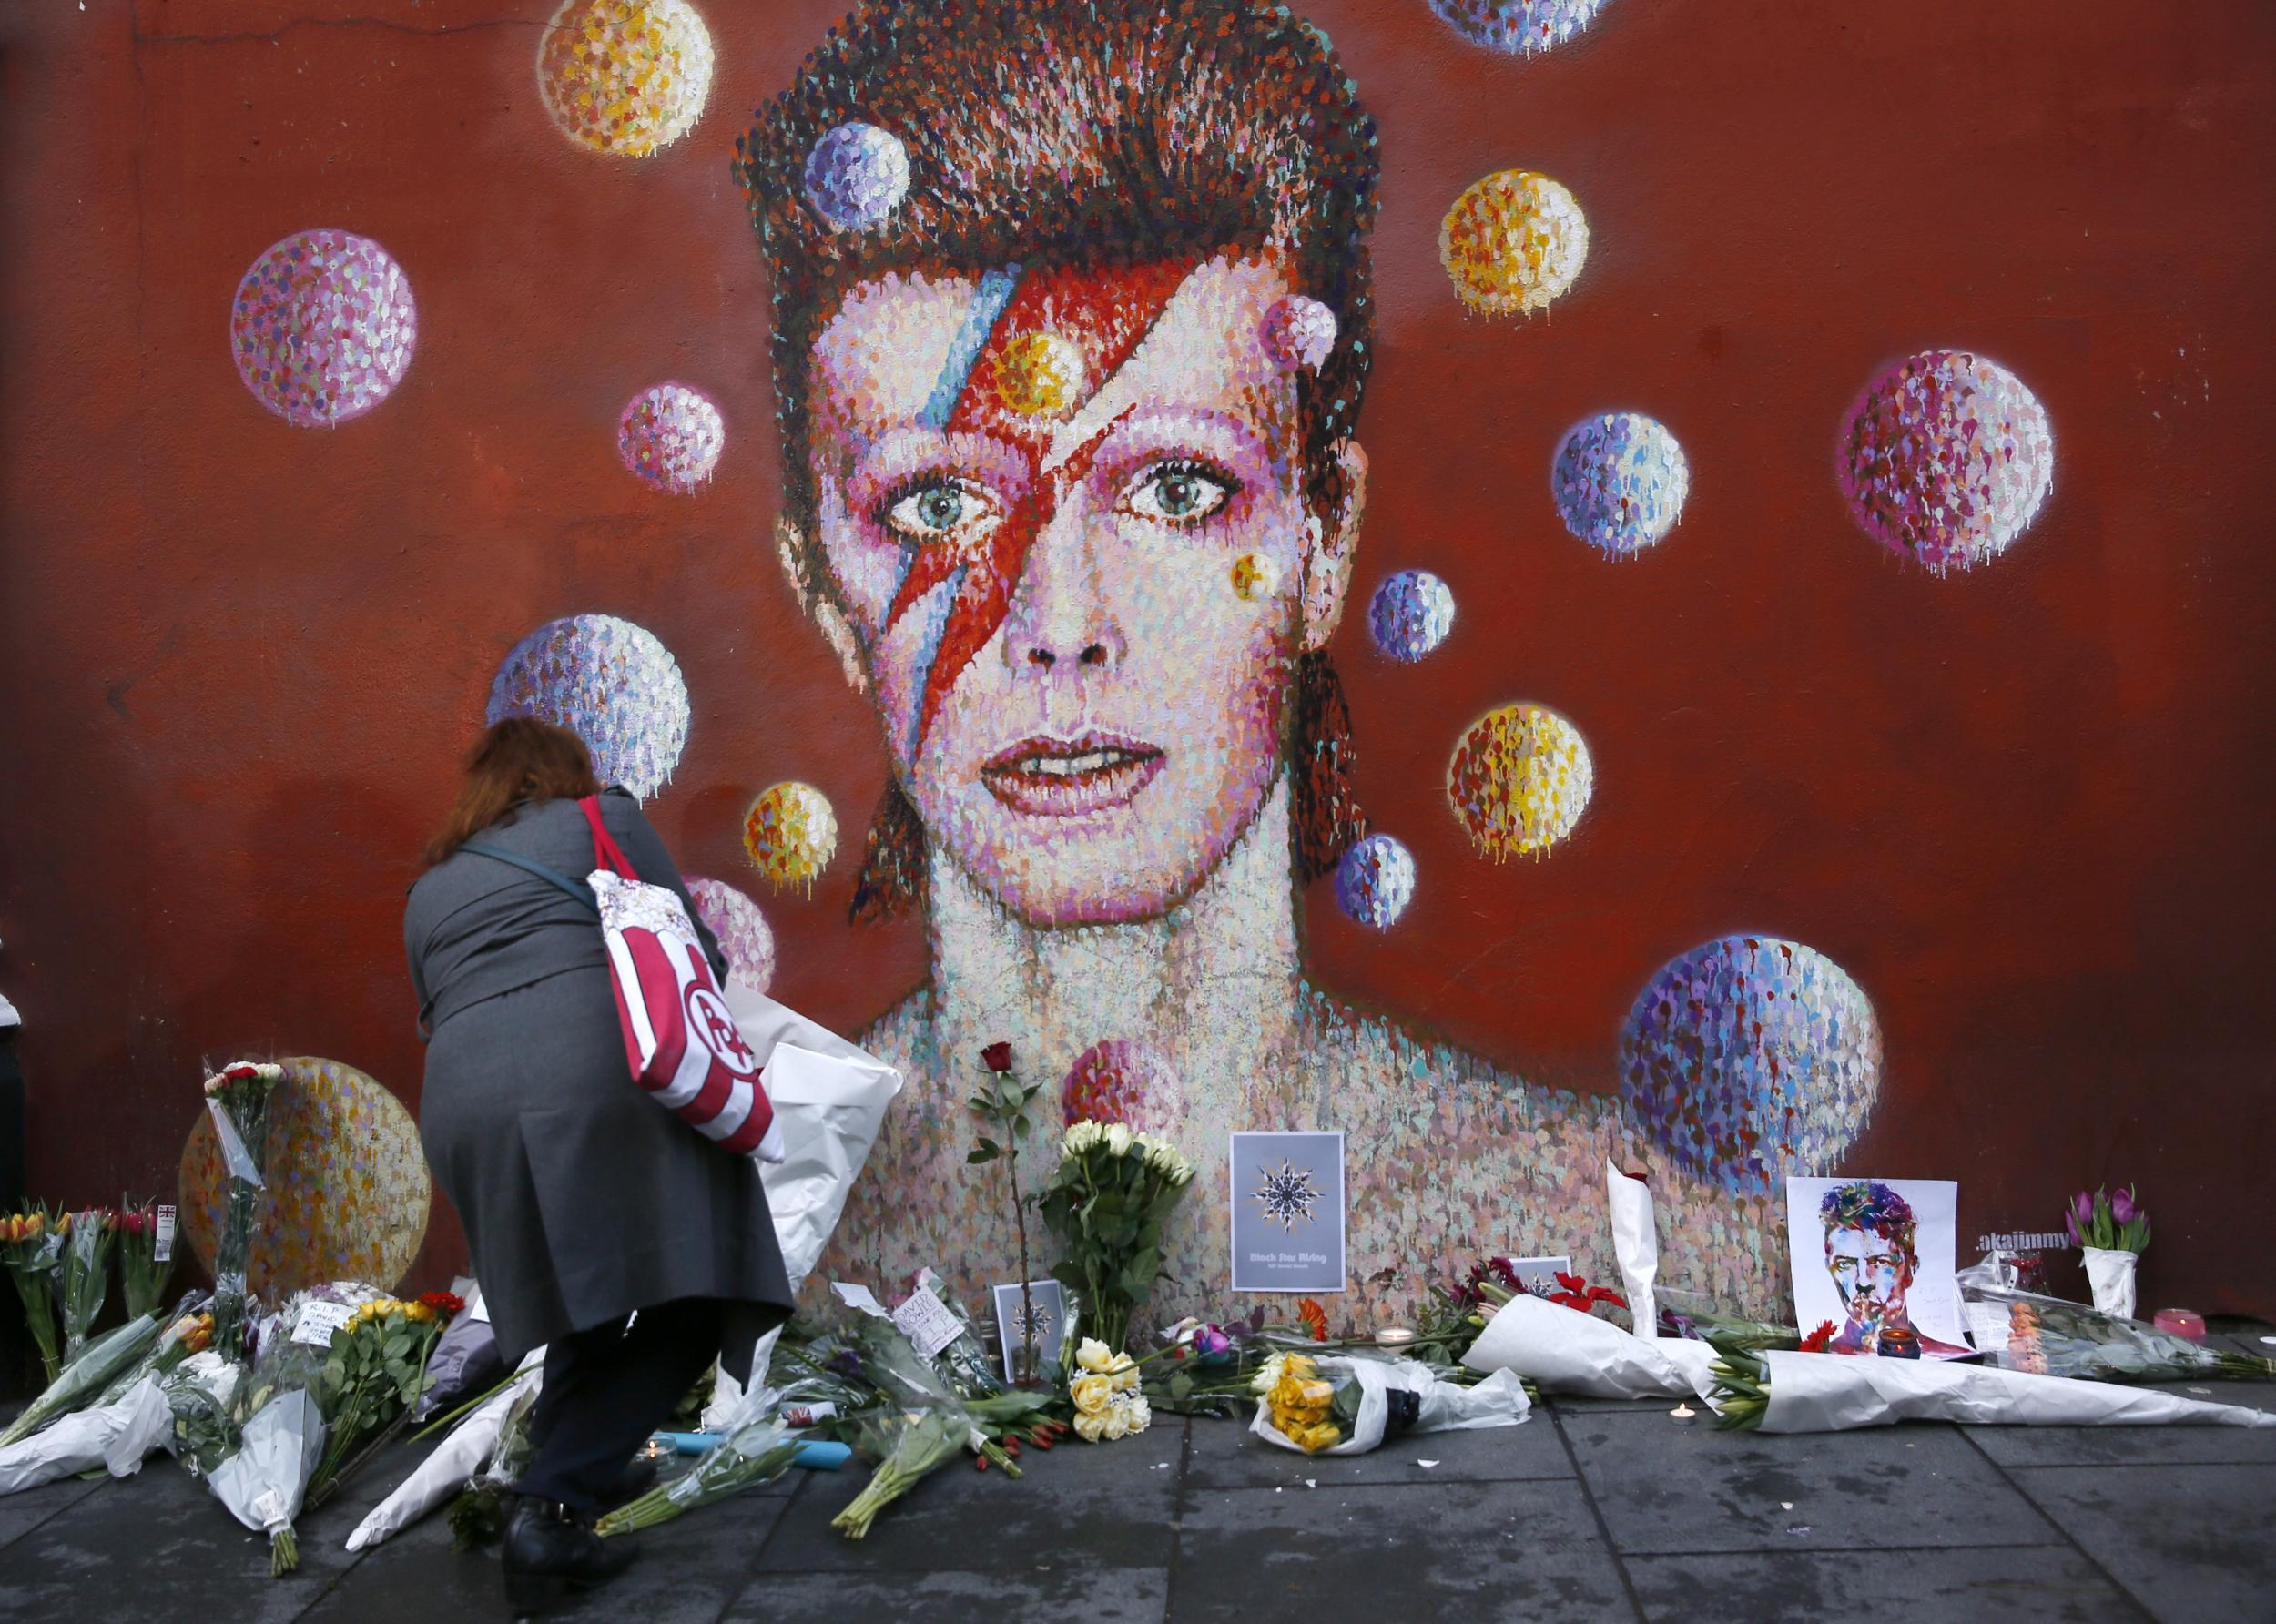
(2122, 1209)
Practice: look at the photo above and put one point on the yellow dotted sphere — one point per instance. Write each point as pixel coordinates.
(1520, 780)
(791, 834)
(627, 76)
(345, 1189)
(1512, 242)
(1255, 576)
(1039, 375)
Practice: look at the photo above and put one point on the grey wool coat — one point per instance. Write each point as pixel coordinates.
(583, 1198)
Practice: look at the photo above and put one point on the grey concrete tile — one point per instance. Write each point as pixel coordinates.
(24, 1510)
(1567, 1404)
(2191, 1543)
(1080, 1505)
(2024, 1584)
(1103, 1595)
(688, 1570)
(188, 1556)
(1483, 1551)
(1226, 1455)
(2146, 1446)
(1669, 1488)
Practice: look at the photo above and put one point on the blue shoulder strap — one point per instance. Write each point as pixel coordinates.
(553, 877)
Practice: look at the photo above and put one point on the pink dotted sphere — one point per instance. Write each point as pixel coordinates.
(322, 327)
(671, 438)
(1121, 1081)
(1947, 457)
(745, 936)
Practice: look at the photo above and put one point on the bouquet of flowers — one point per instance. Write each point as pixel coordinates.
(189, 1330)
(908, 1446)
(478, 1515)
(32, 1243)
(759, 1453)
(114, 1436)
(1106, 1395)
(1781, 1391)
(1563, 1351)
(2050, 1337)
(1107, 1202)
(375, 1371)
(201, 1396)
(238, 1097)
(87, 1274)
(1346, 1405)
(2111, 1230)
(453, 1464)
(143, 1268)
(263, 1479)
(84, 1378)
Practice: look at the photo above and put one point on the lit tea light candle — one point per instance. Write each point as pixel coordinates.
(1394, 1336)
(1683, 1415)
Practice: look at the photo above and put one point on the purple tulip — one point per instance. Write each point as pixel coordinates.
(2122, 1209)
(2070, 1221)
(2082, 1208)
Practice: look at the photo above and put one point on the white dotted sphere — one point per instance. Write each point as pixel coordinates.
(745, 936)
(609, 681)
(1410, 615)
(1526, 26)
(1619, 480)
(857, 175)
(322, 327)
(1376, 881)
(671, 437)
(1947, 458)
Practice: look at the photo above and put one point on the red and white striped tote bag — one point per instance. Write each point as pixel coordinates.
(682, 1045)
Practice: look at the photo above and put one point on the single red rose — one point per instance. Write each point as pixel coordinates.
(997, 1057)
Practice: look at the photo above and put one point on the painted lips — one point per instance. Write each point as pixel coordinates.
(1056, 777)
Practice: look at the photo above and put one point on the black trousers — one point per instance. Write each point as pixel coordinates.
(606, 1389)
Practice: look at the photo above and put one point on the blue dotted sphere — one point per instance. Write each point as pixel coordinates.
(1619, 480)
(1411, 613)
(1518, 25)
(610, 683)
(857, 175)
(1376, 881)
(1749, 1059)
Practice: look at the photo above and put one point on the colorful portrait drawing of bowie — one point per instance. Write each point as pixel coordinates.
(1072, 322)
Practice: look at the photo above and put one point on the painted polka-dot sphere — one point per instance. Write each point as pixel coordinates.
(1255, 576)
(1376, 881)
(791, 834)
(346, 1189)
(625, 77)
(1520, 780)
(1619, 480)
(1123, 1080)
(1041, 374)
(609, 681)
(1512, 242)
(1410, 615)
(857, 175)
(322, 327)
(1518, 25)
(1749, 1059)
(744, 934)
(671, 438)
(1947, 457)
(1299, 333)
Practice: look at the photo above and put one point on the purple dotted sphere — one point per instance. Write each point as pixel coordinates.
(745, 936)
(671, 437)
(609, 681)
(1619, 480)
(322, 327)
(1376, 881)
(1518, 25)
(1947, 457)
(1410, 615)
(1299, 333)
(1751, 1058)
(857, 175)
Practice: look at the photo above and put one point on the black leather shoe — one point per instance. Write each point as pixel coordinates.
(550, 1556)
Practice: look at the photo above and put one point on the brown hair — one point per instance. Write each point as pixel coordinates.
(1087, 133)
(518, 759)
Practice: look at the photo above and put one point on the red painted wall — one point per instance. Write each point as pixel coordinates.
(2025, 808)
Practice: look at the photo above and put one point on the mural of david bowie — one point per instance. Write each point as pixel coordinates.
(1869, 1252)
(1072, 323)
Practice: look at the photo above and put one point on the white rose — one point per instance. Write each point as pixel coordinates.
(1182, 1331)
(1115, 1423)
(1089, 1426)
(1141, 1413)
(1094, 1355)
(1264, 1379)
(1119, 1139)
(1124, 1373)
(1080, 1137)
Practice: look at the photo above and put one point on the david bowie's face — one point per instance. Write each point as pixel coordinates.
(1870, 1272)
(1073, 571)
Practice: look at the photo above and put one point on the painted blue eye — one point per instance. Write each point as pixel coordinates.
(932, 511)
(1180, 492)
